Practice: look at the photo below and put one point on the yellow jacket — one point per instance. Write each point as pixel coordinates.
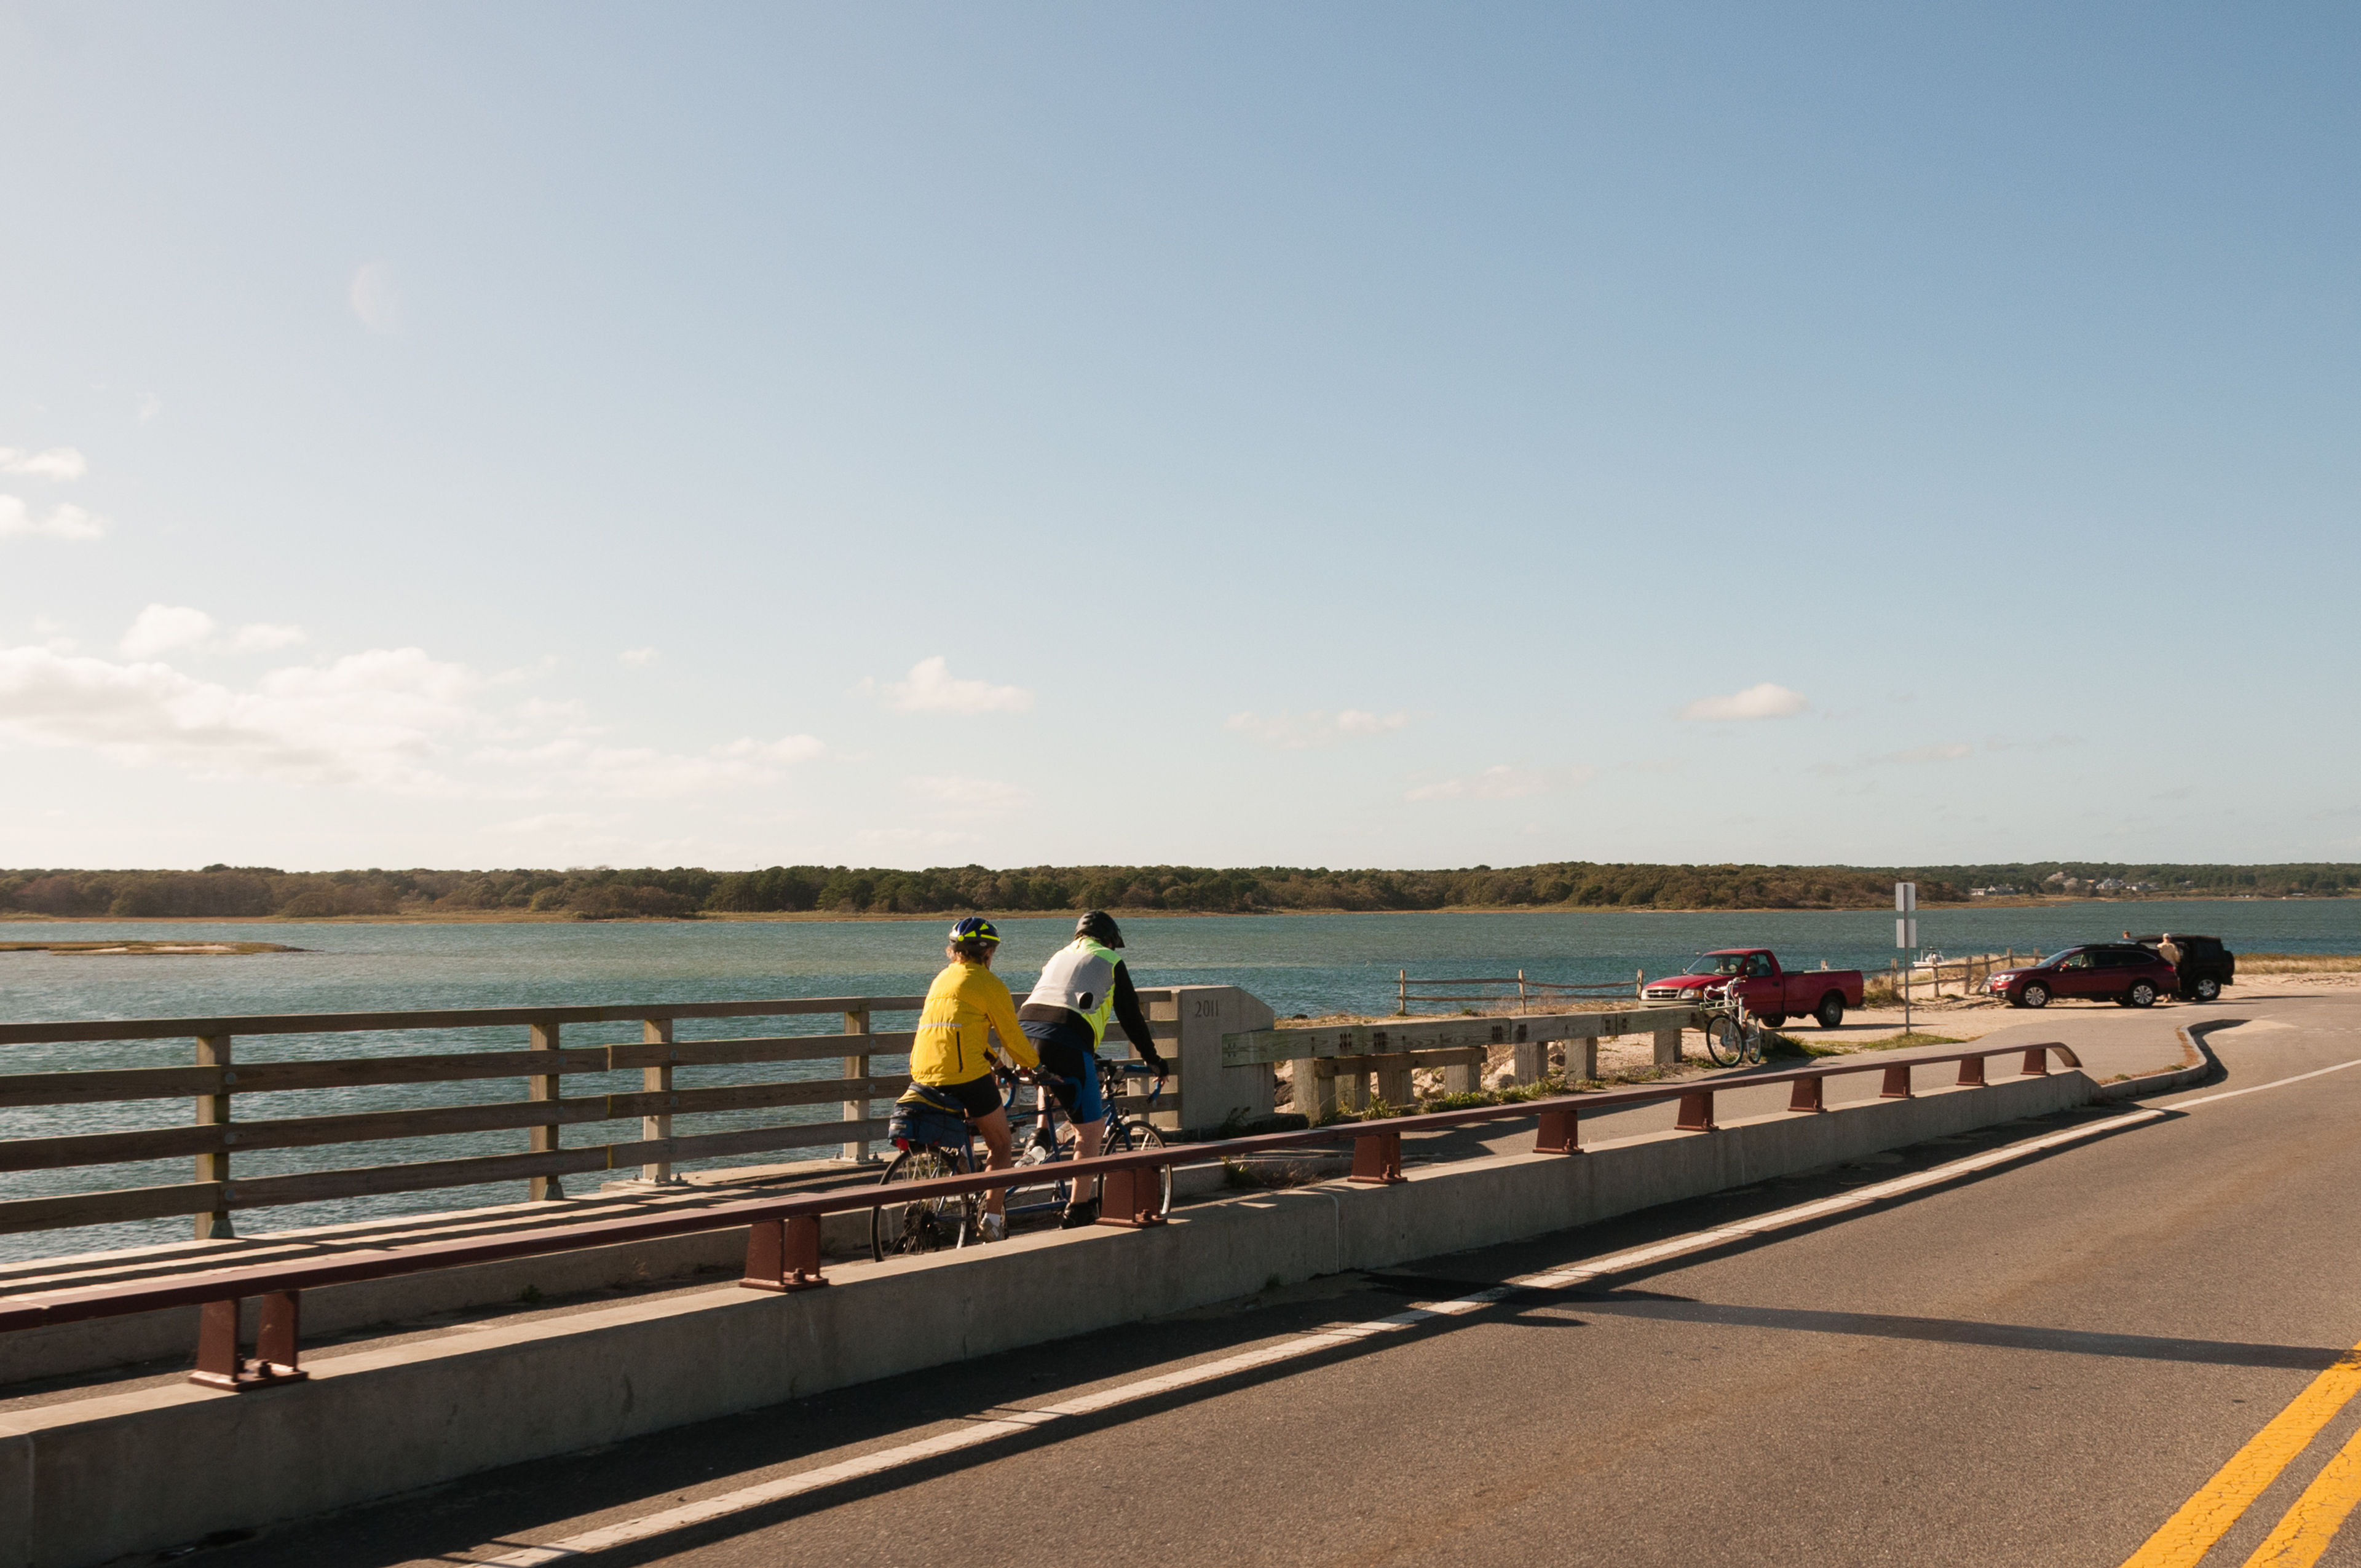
(965, 1002)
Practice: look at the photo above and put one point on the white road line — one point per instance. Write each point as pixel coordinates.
(2257, 1088)
(991, 1427)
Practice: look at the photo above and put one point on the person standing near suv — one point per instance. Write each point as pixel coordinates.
(1081, 986)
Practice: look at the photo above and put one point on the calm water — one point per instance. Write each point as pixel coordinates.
(1296, 963)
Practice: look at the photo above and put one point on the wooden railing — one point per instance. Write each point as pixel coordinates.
(1333, 1063)
(1524, 992)
(221, 1079)
(1968, 973)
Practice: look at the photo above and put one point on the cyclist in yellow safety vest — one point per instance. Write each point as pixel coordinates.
(967, 1006)
(1081, 986)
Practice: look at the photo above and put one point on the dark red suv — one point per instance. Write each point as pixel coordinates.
(2124, 973)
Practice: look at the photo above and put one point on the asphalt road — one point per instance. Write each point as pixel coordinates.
(2038, 1364)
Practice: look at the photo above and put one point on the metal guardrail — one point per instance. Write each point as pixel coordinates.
(783, 1241)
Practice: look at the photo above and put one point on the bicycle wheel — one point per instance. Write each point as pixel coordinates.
(923, 1225)
(1725, 1042)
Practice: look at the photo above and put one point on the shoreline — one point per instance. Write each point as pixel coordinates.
(791, 916)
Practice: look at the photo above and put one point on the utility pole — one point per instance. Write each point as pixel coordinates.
(1906, 936)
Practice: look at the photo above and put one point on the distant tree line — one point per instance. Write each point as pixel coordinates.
(605, 892)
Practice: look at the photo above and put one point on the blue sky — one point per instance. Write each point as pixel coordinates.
(1325, 435)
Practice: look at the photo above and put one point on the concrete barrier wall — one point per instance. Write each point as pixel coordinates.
(83, 1483)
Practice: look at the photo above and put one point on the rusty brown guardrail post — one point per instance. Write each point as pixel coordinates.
(1132, 1199)
(278, 1356)
(1897, 1083)
(1560, 1132)
(784, 1254)
(1377, 1158)
(1809, 1094)
(1972, 1072)
(1697, 1111)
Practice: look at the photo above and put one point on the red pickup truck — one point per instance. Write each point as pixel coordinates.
(1770, 993)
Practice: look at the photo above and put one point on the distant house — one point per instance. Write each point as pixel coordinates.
(2112, 884)
(2003, 891)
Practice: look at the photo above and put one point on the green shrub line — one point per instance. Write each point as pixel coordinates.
(606, 893)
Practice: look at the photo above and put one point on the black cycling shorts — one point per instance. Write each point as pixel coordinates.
(980, 1097)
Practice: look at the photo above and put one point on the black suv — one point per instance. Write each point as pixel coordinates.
(2206, 966)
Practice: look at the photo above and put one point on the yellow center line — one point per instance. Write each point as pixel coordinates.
(2317, 1516)
(2207, 1517)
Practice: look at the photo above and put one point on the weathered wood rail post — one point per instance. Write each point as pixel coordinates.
(857, 1068)
(657, 1079)
(546, 1087)
(212, 1111)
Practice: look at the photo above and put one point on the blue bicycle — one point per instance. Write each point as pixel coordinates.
(1053, 1139)
(937, 1141)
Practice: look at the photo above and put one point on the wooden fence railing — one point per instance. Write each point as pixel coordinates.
(222, 1082)
(1969, 973)
(1524, 992)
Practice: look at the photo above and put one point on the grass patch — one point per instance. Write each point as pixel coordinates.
(1263, 1175)
(1913, 1037)
(2299, 963)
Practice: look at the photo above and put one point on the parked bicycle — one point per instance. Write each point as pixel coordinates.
(935, 1139)
(1733, 1036)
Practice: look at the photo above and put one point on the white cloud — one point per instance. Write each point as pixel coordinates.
(1297, 732)
(956, 797)
(57, 463)
(932, 689)
(150, 405)
(637, 656)
(160, 628)
(369, 718)
(1765, 701)
(63, 521)
(373, 297)
(1503, 782)
(392, 720)
(258, 637)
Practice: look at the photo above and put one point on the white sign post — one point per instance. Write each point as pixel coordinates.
(1906, 936)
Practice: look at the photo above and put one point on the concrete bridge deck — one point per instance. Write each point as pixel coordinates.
(1848, 1391)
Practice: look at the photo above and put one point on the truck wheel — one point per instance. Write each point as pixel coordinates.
(1774, 1020)
(1830, 1011)
(2206, 990)
(2142, 994)
(2037, 996)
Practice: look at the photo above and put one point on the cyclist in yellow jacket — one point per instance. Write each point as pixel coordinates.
(966, 1006)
